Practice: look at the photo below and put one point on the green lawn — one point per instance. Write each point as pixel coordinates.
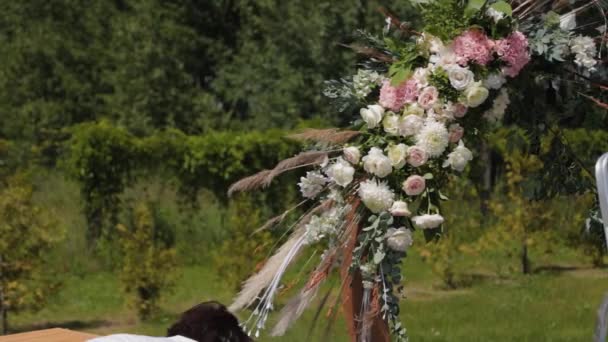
(558, 306)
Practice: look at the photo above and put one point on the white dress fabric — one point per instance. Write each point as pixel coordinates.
(139, 338)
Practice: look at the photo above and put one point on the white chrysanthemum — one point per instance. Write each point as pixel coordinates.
(497, 112)
(433, 138)
(428, 221)
(459, 158)
(376, 196)
(341, 172)
(399, 240)
(376, 163)
(312, 184)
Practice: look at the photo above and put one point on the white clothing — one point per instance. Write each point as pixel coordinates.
(139, 338)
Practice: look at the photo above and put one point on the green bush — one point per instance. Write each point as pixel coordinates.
(148, 259)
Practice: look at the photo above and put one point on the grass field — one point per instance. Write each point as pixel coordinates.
(556, 305)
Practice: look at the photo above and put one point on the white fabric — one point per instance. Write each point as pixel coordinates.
(139, 338)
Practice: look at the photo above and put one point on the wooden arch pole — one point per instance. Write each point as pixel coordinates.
(353, 292)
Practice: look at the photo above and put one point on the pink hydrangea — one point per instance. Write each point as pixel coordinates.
(394, 98)
(513, 50)
(473, 45)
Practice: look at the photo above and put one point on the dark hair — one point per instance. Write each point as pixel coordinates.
(209, 322)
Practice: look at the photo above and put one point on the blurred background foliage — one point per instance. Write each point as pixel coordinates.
(123, 122)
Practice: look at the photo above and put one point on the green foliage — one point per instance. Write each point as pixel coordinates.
(439, 78)
(28, 233)
(101, 159)
(244, 217)
(149, 260)
(444, 18)
(106, 159)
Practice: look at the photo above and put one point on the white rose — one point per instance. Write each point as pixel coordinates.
(341, 172)
(397, 155)
(399, 240)
(400, 208)
(410, 125)
(459, 158)
(476, 94)
(413, 109)
(352, 154)
(428, 221)
(460, 78)
(494, 81)
(391, 123)
(376, 163)
(372, 115)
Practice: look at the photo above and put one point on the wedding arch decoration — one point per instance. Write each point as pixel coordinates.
(425, 96)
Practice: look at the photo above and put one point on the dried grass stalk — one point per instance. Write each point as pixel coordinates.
(249, 183)
(328, 136)
(300, 160)
(263, 178)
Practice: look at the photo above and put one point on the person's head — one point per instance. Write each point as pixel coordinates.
(209, 322)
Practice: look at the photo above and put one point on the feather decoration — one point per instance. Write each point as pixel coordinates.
(328, 136)
(256, 283)
(294, 309)
(296, 306)
(265, 306)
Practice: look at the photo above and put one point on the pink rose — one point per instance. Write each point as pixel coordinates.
(416, 156)
(456, 133)
(428, 97)
(414, 185)
(460, 110)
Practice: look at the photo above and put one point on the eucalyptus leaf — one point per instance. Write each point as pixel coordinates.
(378, 257)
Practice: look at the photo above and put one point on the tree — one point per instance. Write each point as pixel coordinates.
(28, 232)
(149, 259)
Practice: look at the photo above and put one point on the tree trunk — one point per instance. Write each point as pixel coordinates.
(485, 155)
(525, 261)
(353, 295)
(3, 310)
